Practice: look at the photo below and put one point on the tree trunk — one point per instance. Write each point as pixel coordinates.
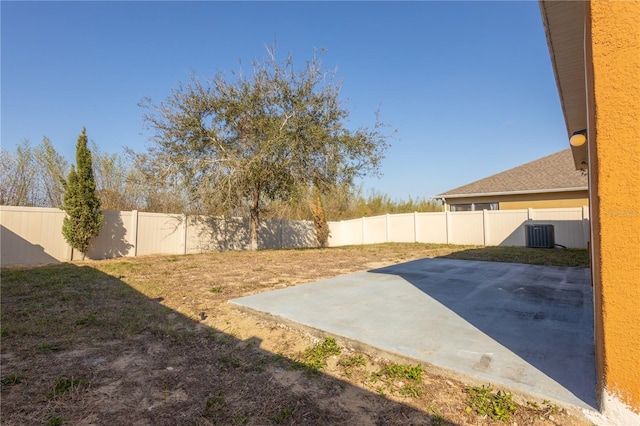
(254, 220)
(320, 220)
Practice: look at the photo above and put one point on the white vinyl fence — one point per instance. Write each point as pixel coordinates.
(484, 228)
(32, 235)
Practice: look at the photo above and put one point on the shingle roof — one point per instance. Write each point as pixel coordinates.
(555, 171)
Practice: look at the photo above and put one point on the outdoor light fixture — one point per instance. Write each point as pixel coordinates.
(578, 138)
(578, 142)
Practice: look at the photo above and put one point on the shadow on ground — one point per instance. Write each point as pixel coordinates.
(83, 347)
(542, 314)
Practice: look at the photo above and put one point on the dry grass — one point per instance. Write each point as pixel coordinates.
(152, 341)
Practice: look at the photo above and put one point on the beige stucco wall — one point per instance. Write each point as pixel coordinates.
(548, 200)
(544, 204)
(613, 85)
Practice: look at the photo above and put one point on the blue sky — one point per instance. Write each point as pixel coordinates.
(467, 85)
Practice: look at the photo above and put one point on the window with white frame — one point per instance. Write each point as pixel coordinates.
(470, 207)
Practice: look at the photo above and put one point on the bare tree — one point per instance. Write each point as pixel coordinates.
(18, 177)
(155, 190)
(243, 141)
(116, 182)
(32, 176)
(52, 167)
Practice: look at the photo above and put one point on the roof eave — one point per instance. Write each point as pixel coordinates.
(523, 192)
(565, 26)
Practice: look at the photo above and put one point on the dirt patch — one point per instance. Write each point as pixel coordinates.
(153, 341)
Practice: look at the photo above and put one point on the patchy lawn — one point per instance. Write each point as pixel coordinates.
(551, 257)
(152, 341)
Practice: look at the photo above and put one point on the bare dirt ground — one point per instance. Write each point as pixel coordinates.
(152, 341)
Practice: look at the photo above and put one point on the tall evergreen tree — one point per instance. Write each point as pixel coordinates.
(81, 203)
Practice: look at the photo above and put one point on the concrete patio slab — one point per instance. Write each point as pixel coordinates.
(525, 327)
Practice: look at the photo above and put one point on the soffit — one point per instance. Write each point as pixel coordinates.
(564, 23)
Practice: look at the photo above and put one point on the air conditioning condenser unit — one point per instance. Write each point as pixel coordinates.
(539, 236)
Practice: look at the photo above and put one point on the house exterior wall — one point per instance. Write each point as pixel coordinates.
(613, 87)
(562, 201)
(524, 201)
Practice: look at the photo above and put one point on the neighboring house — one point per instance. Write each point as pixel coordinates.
(549, 182)
(595, 53)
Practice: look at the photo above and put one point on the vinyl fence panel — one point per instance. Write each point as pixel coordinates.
(431, 228)
(346, 232)
(208, 233)
(296, 234)
(160, 233)
(466, 228)
(32, 235)
(202, 235)
(506, 227)
(401, 228)
(114, 239)
(374, 230)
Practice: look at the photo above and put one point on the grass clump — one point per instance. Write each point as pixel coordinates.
(232, 361)
(315, 357)
(411, 390)
(401, 379)
(281, 416)
(357, 360)
(55, 421)
(352, 362)
(215, 404)
(12, 379)
(65, 384)
(90, 319)
(49, 347)
(498, 405)
(401, 371)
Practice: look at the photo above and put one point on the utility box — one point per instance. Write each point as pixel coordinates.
(539, 236)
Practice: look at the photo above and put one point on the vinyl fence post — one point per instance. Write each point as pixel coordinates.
(415, 227)
(447, 224)
(386, 225)
(280, 234)
(363, 218)
(485, 227)
(184, 233)
(529, 213)
(134, 233)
